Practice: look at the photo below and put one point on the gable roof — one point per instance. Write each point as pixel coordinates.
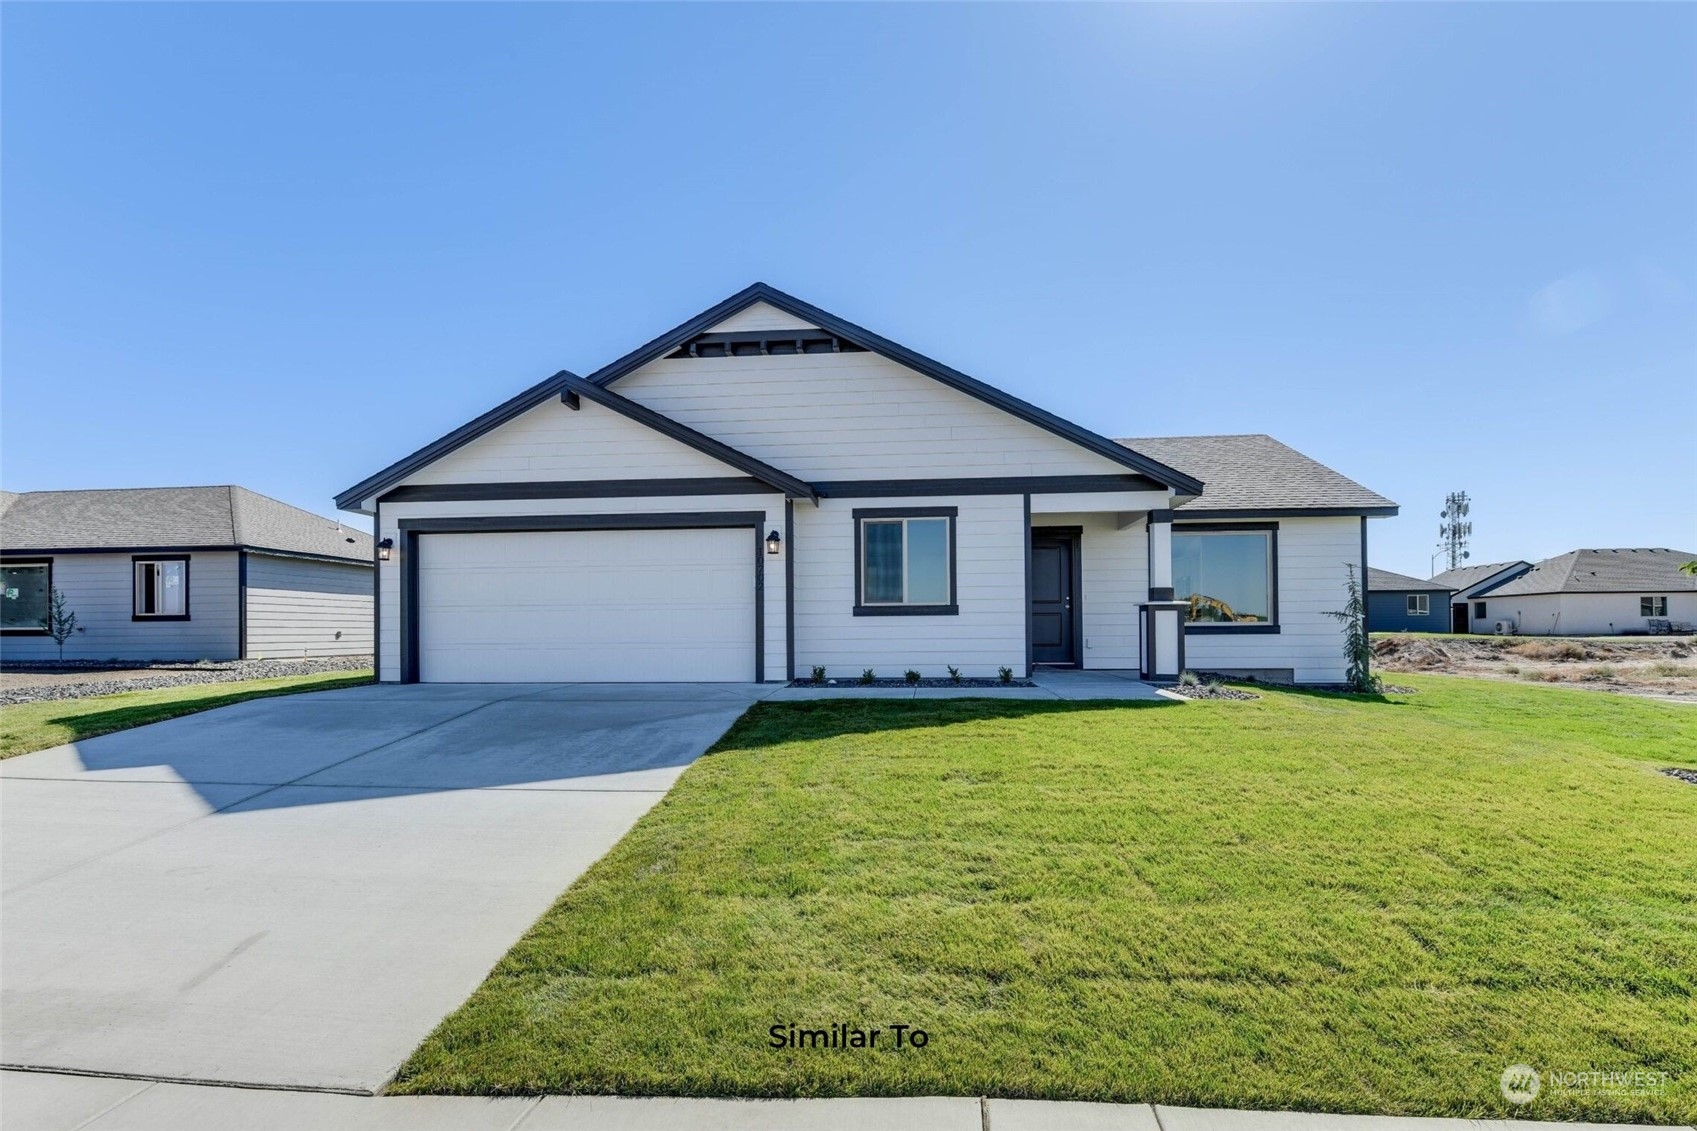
(1257, 474)
(1605, 571)
(760, 292)
(1383, 581)
(167, 518)
(1463, 578)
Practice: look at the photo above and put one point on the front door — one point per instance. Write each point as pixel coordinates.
(1458, 617)
(1054, 620)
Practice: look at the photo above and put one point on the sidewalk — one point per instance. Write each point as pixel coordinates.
(39, 1101)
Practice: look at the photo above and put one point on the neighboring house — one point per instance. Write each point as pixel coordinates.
(1593, 593)
(1466, 583)
(181, 573)
(1399, 603)
(767, 488)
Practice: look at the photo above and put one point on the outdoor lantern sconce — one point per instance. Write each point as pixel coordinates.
(773, 542)
(385, 548)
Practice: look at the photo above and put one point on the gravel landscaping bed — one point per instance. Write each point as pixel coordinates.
(964, 681)
(1211, 691)
(99, 679)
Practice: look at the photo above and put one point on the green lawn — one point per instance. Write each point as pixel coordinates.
(36, 726)
(1303, 902)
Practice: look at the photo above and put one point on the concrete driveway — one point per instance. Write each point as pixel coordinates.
(293, 891)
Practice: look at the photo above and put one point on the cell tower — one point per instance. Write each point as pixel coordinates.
(1455, 531)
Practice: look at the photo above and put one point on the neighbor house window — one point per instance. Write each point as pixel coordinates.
(1419, 604)
(161, 588)
(1652, 606)
(1227, 573)
(905, 561)
(1479, 610)
(23, 600)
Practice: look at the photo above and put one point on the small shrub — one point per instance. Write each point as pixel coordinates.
(818, 673)
(868, 676)
(1511, 669)
(1005, 674)
(1552, 677)
(1671, 671)
(911, 676)
(1558, 650)
(1188, 679)
(1601, 671)
(954, 674)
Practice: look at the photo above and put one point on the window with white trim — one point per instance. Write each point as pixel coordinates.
(1419, 604)
(161, 589)
(1652, 606)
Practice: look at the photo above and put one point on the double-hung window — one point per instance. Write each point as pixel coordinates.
(25, 589)
(1652, 606)
(1229, 574)
(161, 589)
(1419, 604)
(905, 561)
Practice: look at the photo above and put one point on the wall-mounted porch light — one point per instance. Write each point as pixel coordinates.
(385, 548)
(774, 542)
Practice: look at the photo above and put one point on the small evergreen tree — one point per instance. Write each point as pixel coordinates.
(1357, 649)
(61, 621)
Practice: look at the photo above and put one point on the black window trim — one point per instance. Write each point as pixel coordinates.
(48, 562)
(1415, 600)
(150, 618)
(1269, 627)
(860, 515)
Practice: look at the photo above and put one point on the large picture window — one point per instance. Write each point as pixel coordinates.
(905, 561)
(1229, 576)
(161, 589)
(25, 588)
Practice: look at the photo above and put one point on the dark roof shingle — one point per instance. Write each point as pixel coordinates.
(1604, 571)
(1257, 473)
(170, 517)
(1383, 580)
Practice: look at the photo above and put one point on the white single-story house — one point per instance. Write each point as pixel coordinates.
(1467, 582)
(181, 573)
(1593, 593)
(767, 488)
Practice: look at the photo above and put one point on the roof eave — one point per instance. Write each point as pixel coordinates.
(901, 355)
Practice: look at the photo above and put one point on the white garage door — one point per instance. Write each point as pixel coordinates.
(598, 606)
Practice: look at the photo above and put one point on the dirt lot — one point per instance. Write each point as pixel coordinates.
(1661, 666)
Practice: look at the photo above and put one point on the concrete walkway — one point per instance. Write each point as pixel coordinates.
(41, 1102)
(294, 891)
(1051, 684)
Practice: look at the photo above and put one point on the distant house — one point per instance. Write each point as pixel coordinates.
(1592, 592)
(1466, 583)
(181, 573)
(1399, 603)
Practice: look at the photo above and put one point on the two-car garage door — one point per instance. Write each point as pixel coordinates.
(595, 606)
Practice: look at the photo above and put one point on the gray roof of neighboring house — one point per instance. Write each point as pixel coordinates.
(1383, 580)
(1257, 473)
(136, 518)
(1463, 578)
(1604, 571)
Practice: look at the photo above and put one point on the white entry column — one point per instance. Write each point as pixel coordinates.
(1161, 618)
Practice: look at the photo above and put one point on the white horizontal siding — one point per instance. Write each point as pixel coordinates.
(1114, 576)
(760, 316)
(553, 442)
(852, 416)
(770, 506)
(1314, 554)
(1582, 614)
(297, 607)
(988, 633)
(99, 589)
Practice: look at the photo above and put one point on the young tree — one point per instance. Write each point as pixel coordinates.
(1357, 649)
(61, 621)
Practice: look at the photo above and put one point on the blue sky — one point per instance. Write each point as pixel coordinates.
(1438, 247)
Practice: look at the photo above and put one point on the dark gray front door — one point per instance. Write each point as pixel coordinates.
(1054, 631)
